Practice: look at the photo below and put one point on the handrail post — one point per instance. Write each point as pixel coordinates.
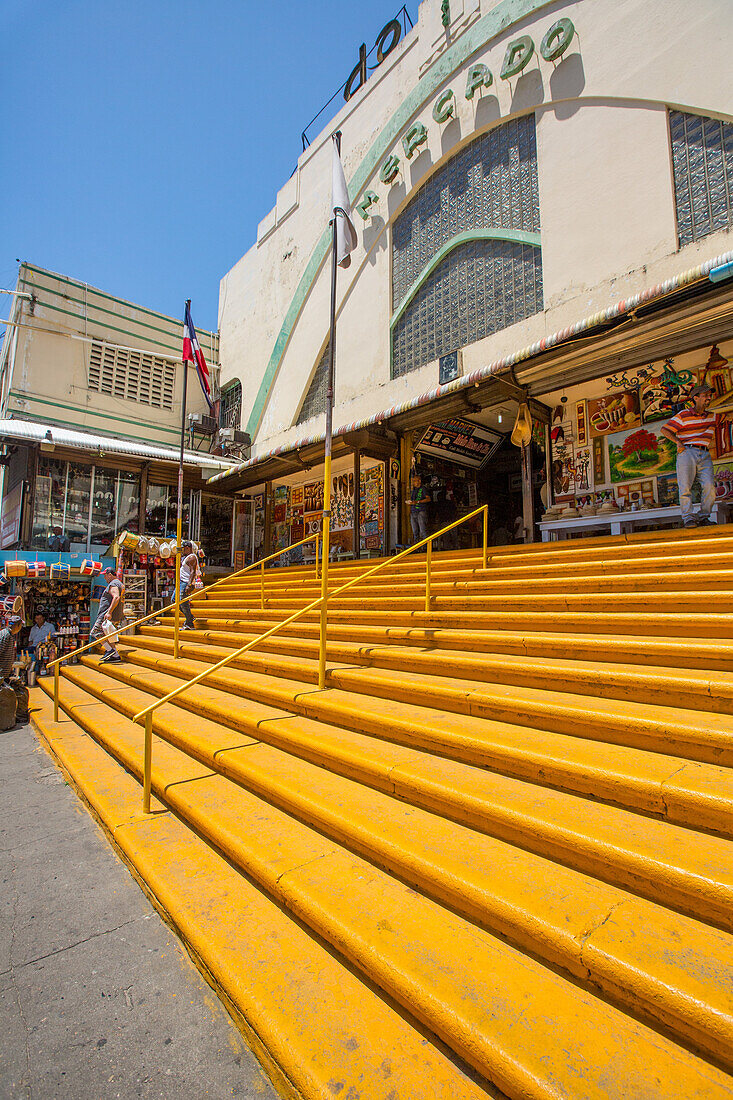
(262, 586)
(486, 534)
(56, 693)
(318, 539)
(428, 565)
(147, 762)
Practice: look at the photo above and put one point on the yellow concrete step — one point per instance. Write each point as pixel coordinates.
(673, 601)
(311, 1021)
(604, 841)
(691, 794)
(673, 687)
(485, 582)
(675, 624)
(700, 653)
(454, 862)
(693, 735)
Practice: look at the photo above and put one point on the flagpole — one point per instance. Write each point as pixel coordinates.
(326, 532)
(179, 530)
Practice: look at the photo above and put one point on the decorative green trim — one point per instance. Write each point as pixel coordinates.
(98, 293)
(504, 15)
(119, 435)
(19, 396)
(518, 236)
(105, 324)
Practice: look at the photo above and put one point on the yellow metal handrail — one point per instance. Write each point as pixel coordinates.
(147, 714)
(171, 609)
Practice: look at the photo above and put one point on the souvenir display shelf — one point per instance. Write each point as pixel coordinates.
(164, 578)
(64, 603)
(136, 593)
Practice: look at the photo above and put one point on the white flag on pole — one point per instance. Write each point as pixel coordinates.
(346, 239)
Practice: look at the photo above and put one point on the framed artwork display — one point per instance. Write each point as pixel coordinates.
(599, 460)
(636, 492)
(583, 464)
(581, 423)
(723, 473)
(614, 412)
(641, 452)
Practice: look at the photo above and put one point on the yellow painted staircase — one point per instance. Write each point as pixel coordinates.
(492, 858)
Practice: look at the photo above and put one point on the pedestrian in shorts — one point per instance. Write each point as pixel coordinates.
(111, 610)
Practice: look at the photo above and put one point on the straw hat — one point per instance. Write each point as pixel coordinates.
(522, 430)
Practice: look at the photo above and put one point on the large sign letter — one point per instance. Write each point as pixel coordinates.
(557, 40)
(416, 136)
(478, 77)
(517, 55)
(393, 28)
(389, 169)
(444, 106)
(360, 71)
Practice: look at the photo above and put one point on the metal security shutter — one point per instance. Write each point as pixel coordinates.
(131, 375)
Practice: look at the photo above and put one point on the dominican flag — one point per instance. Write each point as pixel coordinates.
(192, 353)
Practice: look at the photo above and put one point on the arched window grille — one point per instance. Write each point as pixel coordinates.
(466, 260)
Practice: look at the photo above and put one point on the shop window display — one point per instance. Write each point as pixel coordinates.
(49, 501)
(78, 493)
(161, 511)
(104, 494)
(128, 502)
(216, 522)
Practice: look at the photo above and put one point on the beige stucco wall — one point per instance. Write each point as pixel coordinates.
(606, 192)
(49, 375)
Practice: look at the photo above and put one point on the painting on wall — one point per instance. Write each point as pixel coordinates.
(723, 435)
(637, 493)
(581, 422)
(371, 516)
(599, 460)
(311, 523)
(342, 502)
(563, 477)
(296, 496)
(640, 453)
(313, 496)
(561, 443)
(724, 481)
(583, 466)
(614, 412)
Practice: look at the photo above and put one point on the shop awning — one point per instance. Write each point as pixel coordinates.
(531, 364)
(29, 431)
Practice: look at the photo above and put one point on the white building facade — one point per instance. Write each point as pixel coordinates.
(522, 173)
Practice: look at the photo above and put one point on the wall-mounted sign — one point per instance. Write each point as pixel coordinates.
(449, 367)
(460, 441)
(478, 78)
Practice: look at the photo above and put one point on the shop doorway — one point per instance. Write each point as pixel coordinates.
(466, 462)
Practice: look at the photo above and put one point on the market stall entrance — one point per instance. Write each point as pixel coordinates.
(467, 461)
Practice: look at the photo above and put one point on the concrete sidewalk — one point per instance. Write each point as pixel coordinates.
(97, 997)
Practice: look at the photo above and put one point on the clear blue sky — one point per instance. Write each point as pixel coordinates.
(143, 142)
